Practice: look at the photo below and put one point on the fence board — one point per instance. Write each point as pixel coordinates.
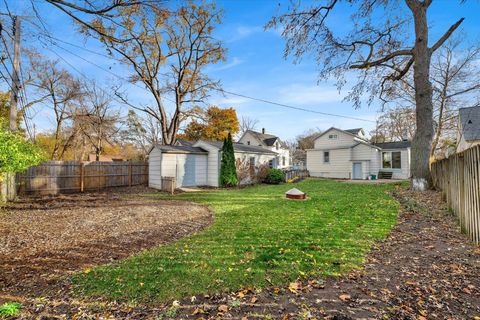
(54, 177)
(458, 178)
(295, 173)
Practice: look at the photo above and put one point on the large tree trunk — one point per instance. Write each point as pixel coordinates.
(421, 144)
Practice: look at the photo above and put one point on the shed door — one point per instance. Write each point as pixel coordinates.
(186, 172)
(357, 170)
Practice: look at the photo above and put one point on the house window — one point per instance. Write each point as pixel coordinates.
(270, 163)
(283, 161)
(252, 161)
(248, 142)
(276, 145)
(326, 157)
(392, 160)
(332, 137)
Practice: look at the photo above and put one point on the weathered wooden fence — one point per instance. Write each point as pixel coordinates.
(458, 177)
(293, 173)
(54, 177)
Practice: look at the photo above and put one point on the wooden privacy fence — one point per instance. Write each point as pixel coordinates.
(458, 177)
(292, 173)
(54, 177)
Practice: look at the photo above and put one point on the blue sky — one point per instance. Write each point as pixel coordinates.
(255, 65)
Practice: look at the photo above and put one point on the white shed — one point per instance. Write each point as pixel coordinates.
(188, 165)
(198, 163)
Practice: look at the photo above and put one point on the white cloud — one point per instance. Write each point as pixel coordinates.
(235, 62)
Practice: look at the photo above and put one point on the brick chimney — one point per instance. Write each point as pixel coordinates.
(263, 130)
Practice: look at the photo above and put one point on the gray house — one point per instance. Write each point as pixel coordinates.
(468, 128)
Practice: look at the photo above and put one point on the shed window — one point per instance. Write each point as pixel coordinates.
(392, 160)
(332, 137)
(326, 157)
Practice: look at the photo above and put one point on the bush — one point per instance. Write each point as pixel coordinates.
(275, 176)
(16, 153)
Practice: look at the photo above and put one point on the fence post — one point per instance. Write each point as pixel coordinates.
(130, 174)
(82, 176)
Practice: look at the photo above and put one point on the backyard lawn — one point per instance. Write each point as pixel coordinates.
(258, 239)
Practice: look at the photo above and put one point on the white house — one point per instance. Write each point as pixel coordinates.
(198, 163)
(468, 128)
(270, 142)
(347, 154)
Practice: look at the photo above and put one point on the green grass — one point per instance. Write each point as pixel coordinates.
(257, 239)
(9, 309)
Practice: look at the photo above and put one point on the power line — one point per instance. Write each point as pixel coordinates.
(292, 107)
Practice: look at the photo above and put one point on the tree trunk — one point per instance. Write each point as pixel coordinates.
(420, 167)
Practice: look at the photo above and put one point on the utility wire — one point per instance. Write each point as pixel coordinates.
(292, 107)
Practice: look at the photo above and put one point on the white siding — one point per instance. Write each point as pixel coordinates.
(213, 163)
(154, 169)
(343, 140)
(404, 172)
(169, 165)
(370, 158)
(249, 137)
(339, 166)
(201, 170)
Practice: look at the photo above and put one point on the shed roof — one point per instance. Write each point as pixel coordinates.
(394, 145)
(181, 149)
(470, 121)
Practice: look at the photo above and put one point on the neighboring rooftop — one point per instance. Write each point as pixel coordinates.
(240, 147)
(354, 131)
(470, 121)
(266, 139)
(393, 145)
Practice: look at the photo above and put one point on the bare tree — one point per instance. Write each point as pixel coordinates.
(168, 52)
(247, 123)
(455, 78)
(63, 92)
(143, 132)
(96, 120)
(378, 47)
(395, 125)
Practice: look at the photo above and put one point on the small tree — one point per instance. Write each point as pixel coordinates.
(228, 170)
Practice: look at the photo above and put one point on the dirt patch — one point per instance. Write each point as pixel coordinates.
(44, 239)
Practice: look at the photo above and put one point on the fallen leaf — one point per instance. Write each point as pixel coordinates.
(253, 300)
(198, 311)
(294, 286)
(223, 308)
(345, 297)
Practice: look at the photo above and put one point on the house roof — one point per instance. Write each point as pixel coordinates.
(184, 142)
(354, 131)
(265, 138)
(240, 147)
(181, 149)
(394, 145)
(470, 121)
